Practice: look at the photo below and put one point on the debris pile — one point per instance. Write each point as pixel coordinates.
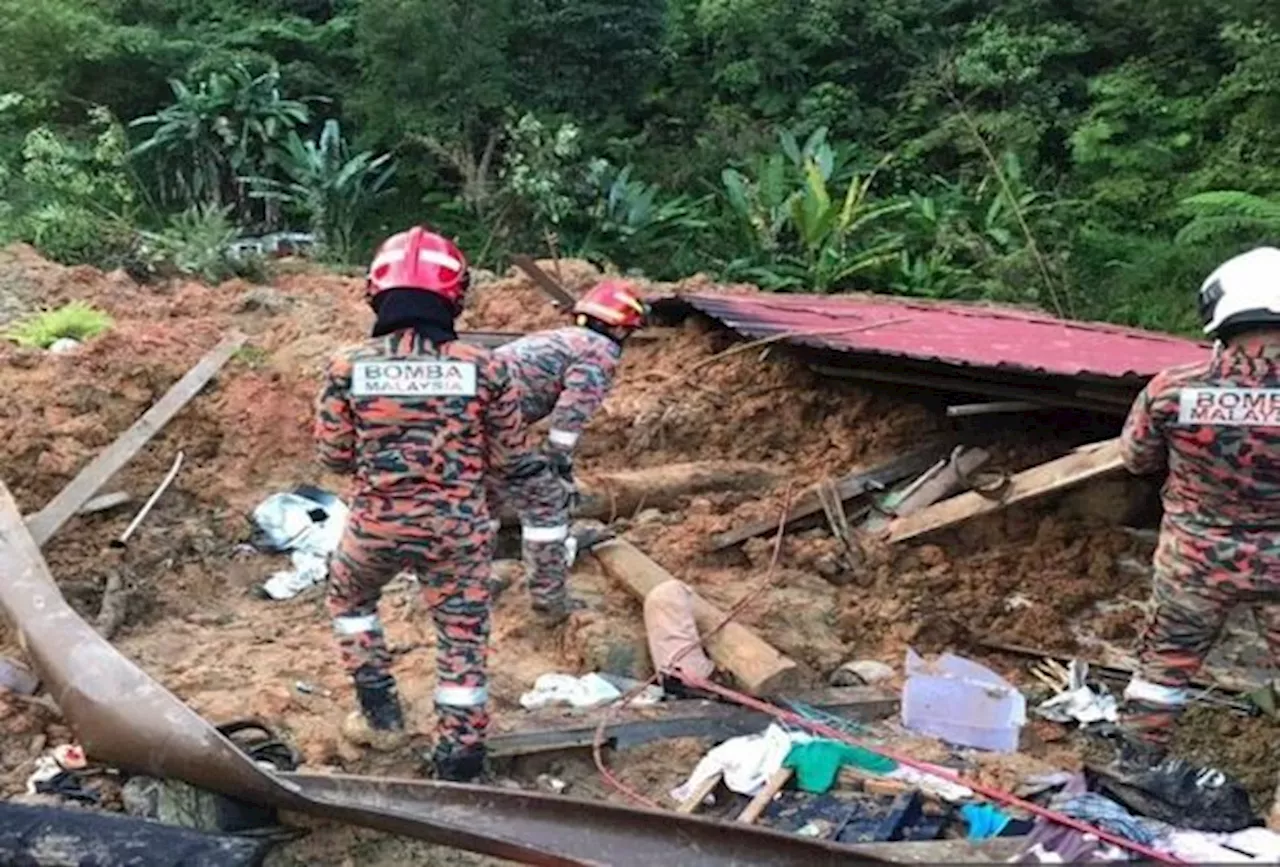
(907, 528)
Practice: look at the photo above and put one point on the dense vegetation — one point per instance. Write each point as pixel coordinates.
(1094, 157)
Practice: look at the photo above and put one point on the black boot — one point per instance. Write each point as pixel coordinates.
(459, 765)
(379, 699)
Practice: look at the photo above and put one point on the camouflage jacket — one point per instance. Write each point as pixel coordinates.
(1215, 427)
(421, 425)
(565, 374)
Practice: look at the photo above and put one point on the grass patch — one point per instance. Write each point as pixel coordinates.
(77, 320)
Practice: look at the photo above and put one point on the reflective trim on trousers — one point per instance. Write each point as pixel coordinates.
(462, 696)
(565, 439)
(357, 624)
(1144, 690)
(545, 534)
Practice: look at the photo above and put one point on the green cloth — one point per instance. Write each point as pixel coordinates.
(817, 762)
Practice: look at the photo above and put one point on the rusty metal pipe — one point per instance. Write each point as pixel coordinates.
(125, 718)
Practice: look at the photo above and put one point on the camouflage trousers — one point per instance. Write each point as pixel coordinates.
(1200, 577)
(543, 508)
(454, 576)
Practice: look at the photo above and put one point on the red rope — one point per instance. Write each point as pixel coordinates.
(597, 742)
(989, 792)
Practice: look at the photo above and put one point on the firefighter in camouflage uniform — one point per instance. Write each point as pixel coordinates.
(423, 422)
(565, 375)
(1214, 427)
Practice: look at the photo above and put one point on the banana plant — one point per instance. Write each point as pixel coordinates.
(333, 186)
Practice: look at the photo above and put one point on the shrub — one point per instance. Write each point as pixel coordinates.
(77, 321)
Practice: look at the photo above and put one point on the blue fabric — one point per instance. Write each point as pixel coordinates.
(985, 820)
(1108, 815)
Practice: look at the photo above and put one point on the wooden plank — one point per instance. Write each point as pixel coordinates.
(70, 499)
(964, 410)
(948, 480)
(996, 851)
(544, 281)
(680, 719)
(698, 795)
(101, 503)
(1096, 402)
(1088, 462)
(765, 796)
(853, 485)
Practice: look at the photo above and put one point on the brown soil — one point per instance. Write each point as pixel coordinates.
(1028, 576)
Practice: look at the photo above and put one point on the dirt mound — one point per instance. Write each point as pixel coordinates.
(1028, 575)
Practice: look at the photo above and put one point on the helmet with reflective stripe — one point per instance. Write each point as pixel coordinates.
(419, 259)
(614, 303)
(1242, 294)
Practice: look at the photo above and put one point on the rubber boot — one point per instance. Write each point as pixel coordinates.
(554, 614)
(379, 723)
(458, 764)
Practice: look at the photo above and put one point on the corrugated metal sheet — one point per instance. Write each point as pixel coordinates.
(997, 338)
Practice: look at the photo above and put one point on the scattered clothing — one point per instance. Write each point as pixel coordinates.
(1219, 546)
(1109, 816)
(746, 762)
(308, 524)
(1051, 843)
(1251, 846)
(818, 762)
(589, 690)
(931, 784)
(984, 821)
(674, 643)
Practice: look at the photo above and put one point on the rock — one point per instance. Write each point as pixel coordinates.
(265, 299)
(862, 672)
(648, 516)
(63, 345)
(931, 555)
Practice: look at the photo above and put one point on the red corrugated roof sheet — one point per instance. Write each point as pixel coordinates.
(954, 334)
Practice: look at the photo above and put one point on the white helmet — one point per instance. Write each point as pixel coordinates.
(1243, 293)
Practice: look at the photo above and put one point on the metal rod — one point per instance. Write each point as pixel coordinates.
(967, 409)
(146, 507)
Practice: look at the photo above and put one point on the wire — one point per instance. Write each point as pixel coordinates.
(989, 792)
(597, 741)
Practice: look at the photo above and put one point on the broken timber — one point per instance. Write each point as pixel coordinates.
(853, 485)
(682, 719)
(944, 480)
(548, 284)
(1086, 462)
(758, 667)
(70, 499)
(125, 718)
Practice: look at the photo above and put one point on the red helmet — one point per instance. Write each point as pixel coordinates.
(615, 303)
(419, 259)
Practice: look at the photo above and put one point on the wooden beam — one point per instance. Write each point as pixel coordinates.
(948, 480)
(963, 410)
(70, 499)
(684, 718)
(698, 795)
(765, 796)
(1096, 401)
(757, 665)
(101, 503)
(544, 281)
(995, 851)
(853, 485)
(1088, 462)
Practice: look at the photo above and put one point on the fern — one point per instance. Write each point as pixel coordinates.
(76, 320)
(1229, 215)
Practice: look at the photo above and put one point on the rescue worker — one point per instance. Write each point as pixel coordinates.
(1214, 427)
(565, 374)
(422, 421)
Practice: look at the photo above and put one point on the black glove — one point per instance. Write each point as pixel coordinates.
(562, 466)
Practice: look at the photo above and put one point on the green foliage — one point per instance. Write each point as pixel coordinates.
(76, 320)
(215, 134)
(197, 243)
(1231, 216)
(331, 185)
(1093, 158)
